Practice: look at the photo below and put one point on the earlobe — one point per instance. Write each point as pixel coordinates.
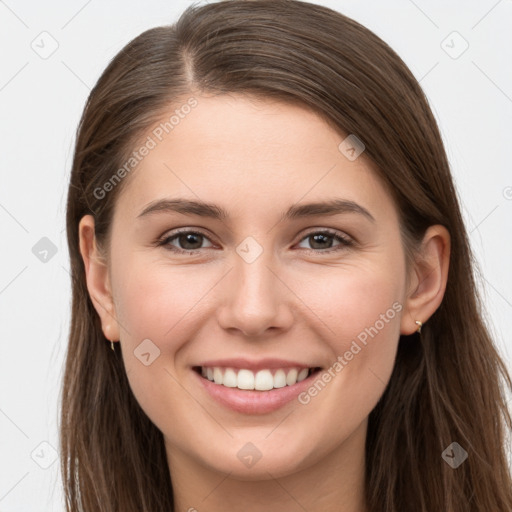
(98, 282)
(430, 275)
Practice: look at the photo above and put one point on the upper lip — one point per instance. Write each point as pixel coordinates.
(253, 365)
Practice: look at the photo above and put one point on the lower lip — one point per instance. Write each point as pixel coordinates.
(254, 402)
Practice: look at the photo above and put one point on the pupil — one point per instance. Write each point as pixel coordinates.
(189, 238)
(319, 238)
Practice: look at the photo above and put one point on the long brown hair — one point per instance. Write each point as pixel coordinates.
(447, 384)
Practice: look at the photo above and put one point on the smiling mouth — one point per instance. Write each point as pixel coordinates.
(261, 380)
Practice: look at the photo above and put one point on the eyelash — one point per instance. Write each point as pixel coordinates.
(345, 242)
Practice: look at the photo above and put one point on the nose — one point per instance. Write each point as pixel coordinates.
(255, 300)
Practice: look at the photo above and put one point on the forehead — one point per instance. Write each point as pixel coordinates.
(234, 147)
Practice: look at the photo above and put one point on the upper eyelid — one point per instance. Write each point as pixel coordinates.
(179, 231)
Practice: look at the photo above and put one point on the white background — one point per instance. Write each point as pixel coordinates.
(40, 104)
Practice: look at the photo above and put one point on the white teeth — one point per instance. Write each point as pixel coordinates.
(263, 380)
(280, 379)
(229, 378)
(291, 377)
(245, 379)
(217, 375)
(302, 374)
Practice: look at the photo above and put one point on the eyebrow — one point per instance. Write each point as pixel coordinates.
(202, 209)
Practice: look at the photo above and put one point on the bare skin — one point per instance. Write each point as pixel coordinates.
(295, 301)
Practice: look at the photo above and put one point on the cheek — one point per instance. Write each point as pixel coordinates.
(154, 299)
(156, 306)
(350, 300)
(361, 309)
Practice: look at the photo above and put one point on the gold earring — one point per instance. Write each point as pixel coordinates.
(111, 341)
(420, 325)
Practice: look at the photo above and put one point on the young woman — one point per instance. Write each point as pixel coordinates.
(274, 305)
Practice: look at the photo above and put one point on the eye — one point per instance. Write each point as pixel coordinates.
(321, 241)
(189, 242)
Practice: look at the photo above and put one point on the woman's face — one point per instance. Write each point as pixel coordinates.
(257, 290)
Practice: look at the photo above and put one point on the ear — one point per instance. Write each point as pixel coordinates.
(98, 281)
(428, 279)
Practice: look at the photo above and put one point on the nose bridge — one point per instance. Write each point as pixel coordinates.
(255, 299)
